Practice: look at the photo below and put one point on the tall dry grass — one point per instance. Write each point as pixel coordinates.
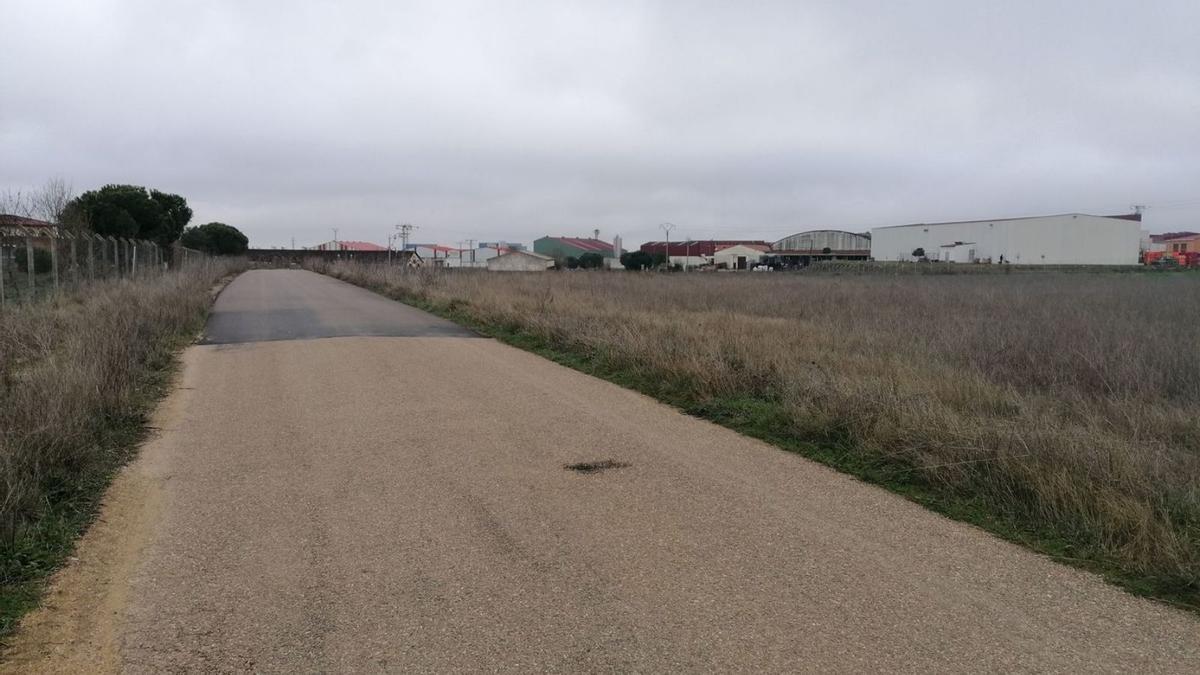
(74, 373)
(1065, 405)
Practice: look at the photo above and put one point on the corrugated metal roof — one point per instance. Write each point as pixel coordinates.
(594, 245)
(1136, 217)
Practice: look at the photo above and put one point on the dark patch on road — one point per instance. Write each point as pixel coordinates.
(595, 467)
(272, 305)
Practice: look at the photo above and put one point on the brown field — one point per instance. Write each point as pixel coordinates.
(1061, 410)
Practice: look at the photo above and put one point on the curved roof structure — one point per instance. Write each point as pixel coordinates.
(819, 240)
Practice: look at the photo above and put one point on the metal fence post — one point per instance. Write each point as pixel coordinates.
(2, 254)
(54, 261)
(74, 261)
(29, 262)
(91, 259)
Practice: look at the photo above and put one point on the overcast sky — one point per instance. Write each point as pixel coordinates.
(510, 120)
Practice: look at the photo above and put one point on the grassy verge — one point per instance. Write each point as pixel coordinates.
(1059, 449)
(79, 376)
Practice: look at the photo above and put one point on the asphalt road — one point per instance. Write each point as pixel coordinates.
(347, 484)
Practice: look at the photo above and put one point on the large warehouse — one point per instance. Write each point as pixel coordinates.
(1067, 239)
(804, 247)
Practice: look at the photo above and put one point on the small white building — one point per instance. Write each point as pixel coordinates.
(1067, 239)
(739, 257)
(520, 261)
(690, 261)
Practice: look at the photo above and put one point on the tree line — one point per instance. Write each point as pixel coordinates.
(126, 211)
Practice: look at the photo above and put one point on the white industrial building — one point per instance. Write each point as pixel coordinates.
(739, 256)
(520, 261)
(1067, 239)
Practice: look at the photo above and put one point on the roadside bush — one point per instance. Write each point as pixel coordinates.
(77, 376)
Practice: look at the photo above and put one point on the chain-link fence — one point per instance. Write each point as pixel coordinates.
(35, 261)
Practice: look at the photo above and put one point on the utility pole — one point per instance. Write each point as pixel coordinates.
(405, 230)
(471, 245)
(687, 256)
(335, 240)
(667, 227)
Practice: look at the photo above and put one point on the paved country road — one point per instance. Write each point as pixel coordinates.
(343, 483)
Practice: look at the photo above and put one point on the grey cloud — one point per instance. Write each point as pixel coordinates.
(510, 120)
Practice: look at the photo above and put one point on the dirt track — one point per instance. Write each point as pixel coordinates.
(325, 501)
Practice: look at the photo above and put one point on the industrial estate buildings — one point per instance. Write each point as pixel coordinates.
(1063, 239)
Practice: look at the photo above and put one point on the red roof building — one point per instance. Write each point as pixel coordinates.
(701, 247)
(564, 247)
(8, 220)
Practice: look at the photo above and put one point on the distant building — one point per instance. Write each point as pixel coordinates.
(1066, 239)
(339, 245)
(740, 256)
(434, 255)
(32, 224)
(1181, 242)
(697, 248)
(440, 255)
(803, 248)
(519, 261)
(561, 248)
(503, 245)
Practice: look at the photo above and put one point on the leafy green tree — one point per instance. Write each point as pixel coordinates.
(176, 215)
(215, 239)
(572, 262)
(131, 211)
(918, 252)
(640, 260)
(591, 261)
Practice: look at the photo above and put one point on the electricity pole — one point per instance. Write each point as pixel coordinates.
(335, 240)
(667, 227)
(405, 229)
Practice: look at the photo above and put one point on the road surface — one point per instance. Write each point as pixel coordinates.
(343, 483)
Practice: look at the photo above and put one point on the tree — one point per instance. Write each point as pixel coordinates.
(215, 239)
(176, 215)
(591, 261)
(572, 262)
(918, 252)
(641, 260)
(131, 211)
(48, 203)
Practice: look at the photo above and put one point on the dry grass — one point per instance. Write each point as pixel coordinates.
(1065, 408)
(77, 376)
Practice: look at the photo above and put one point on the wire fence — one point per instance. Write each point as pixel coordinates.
(36, 262)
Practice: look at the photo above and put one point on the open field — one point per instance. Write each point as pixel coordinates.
(79, 372)
(1059, 410)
